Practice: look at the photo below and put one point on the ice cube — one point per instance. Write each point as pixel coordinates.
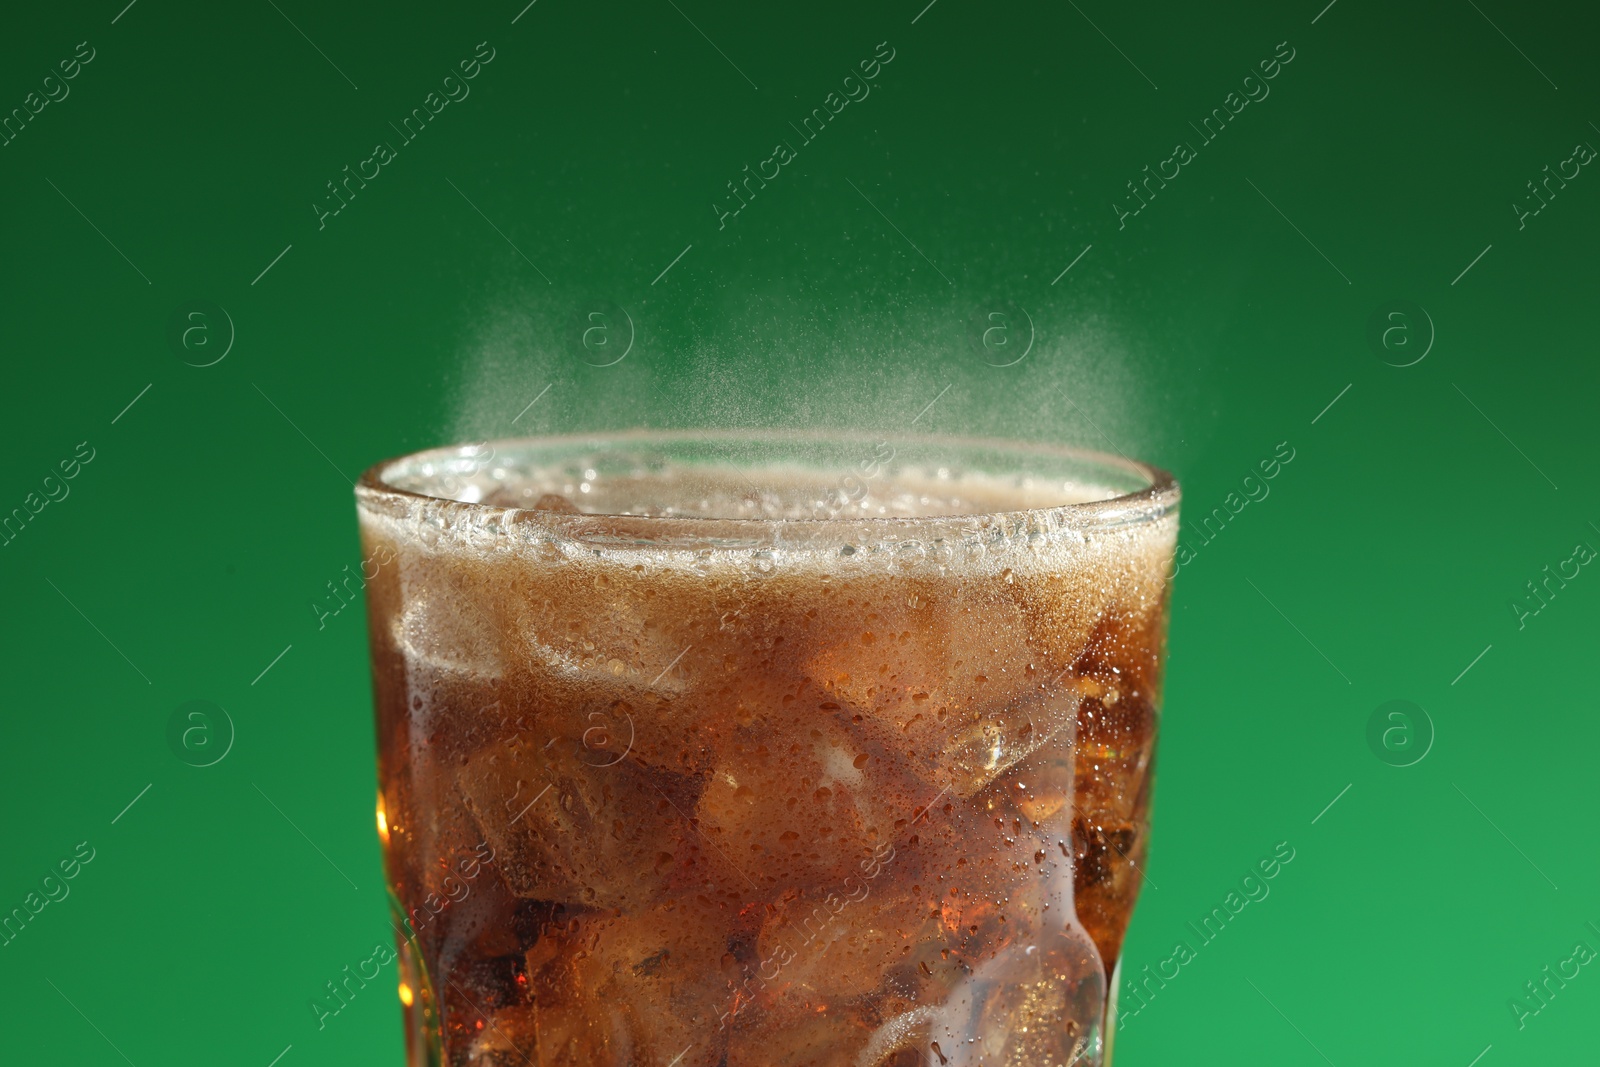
(583, 629)
(607, 664)
(652, 985)
(472, 917)
(503, 1039)
(1110, 841)
(829, 947)
(471, 987)
(983, 744)
(799, 1039)
(905, 650)
(435, 853)
(1117, 739)
(901, 1039)
(565, 829)
(549, 1035)
(1060, 611)
(1116, 743)
(801, 807)
(1039, 1001)
(954, 684)
(447, 630)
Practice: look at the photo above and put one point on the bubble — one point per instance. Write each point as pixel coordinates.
(910, 554)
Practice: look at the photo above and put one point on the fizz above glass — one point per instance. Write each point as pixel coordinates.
(764, 750)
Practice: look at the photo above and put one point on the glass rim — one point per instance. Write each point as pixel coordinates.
(1158, 496)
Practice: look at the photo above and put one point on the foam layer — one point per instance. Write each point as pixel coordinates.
(752, 517)
(728, 492)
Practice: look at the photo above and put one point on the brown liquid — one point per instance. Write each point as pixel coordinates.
(819, 807)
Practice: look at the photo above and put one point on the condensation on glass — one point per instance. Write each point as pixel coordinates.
(764, 749)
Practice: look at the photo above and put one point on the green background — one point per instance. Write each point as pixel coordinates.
(438, 304)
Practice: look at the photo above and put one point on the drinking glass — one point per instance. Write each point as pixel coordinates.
(762, 749)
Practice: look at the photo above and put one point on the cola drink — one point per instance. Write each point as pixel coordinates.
(764, 750)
